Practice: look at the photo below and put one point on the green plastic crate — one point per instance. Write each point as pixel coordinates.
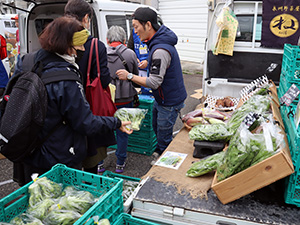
(126, 219)
(109, 206)
(292, 51)
(127, 205)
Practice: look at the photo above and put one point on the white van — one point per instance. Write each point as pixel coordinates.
(106, 14)
(225, 75)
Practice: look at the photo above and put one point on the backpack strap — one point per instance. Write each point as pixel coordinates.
(55, 76)
(122, 59)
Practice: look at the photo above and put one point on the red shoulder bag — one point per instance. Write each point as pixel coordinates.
(99, 98)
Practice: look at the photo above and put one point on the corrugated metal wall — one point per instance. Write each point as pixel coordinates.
(188, 19)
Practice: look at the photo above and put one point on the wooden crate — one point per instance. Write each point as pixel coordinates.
(260, 175)
(255, 177)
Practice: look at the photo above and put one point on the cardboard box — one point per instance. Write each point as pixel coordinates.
(258, 176)
(2, 156)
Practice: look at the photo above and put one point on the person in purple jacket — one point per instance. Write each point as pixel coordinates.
(97, 145)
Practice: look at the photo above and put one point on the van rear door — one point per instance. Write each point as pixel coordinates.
(225, 75)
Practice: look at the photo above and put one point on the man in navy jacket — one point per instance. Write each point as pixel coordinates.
(165, 74)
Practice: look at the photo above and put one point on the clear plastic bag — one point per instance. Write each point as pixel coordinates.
(134, 115)
(62, 217)
(43, 188)
(26, 218)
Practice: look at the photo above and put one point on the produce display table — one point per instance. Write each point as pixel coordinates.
(161, 202)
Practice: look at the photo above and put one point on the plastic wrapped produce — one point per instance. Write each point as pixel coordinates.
(27, 219)
(210, 132)
(43, 188)
(134, 115)
(75, 200)
(205, 165)
(41, 209)
(62, 217)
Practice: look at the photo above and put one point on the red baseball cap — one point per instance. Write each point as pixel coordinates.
(16, 17)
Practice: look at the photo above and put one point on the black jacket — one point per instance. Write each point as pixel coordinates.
(66, 102)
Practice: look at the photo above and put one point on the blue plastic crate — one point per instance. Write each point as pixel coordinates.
(109, 206)
(292, 188)
(126, 219)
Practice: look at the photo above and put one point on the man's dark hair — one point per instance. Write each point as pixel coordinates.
(78, 9)
(58, 35)
(145, 14)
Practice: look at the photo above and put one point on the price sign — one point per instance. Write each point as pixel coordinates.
(290, 95)
(250, 119)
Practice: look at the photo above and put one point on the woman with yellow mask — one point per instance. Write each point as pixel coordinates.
(62, 43)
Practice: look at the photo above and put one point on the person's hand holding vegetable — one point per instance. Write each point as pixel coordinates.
(124, 127)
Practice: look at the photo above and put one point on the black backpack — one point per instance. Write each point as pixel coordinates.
(24, 107)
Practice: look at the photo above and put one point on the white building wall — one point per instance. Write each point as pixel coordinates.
(188, 19)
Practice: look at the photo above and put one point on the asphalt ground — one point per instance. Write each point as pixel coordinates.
(137, 165)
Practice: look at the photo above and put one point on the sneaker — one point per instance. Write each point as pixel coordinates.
(101, 168)
(155, 155)
(120, 168)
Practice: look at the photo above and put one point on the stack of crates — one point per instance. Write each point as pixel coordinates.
(290, 74)
(290, 69)
(144, 141)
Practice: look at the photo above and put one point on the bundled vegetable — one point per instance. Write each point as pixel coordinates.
(257, 103)
(205, 165)
(246, 149)
(62, 217)
(210, 132)
(78, 201)
(134, 115)
(27, 219)
(41, 209)
(192, 114)
(42, 189)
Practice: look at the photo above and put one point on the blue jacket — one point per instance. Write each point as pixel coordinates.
(140, 48)
(66, 102)
(3, 76)
(172, 90)
(108, 138)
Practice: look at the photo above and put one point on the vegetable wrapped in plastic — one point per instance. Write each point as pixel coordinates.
(43, 188)
(62, 217)
(41, 209)
(134, 115)
(205, 165)
(27, 219)
(210, 132)
(75, 200)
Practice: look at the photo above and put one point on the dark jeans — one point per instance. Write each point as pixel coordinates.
(164, 118)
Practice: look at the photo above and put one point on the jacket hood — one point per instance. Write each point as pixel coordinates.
(112, 54)
(163, 35)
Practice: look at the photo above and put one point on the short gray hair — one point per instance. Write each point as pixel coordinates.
(116, 33)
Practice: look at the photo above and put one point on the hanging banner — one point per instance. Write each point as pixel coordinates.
(280, 23)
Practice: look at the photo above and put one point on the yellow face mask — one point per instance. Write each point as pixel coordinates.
(80, 37)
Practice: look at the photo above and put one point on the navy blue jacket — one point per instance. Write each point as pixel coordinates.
(108, 138)
(83, 63)
(66, 102)
(172, 90)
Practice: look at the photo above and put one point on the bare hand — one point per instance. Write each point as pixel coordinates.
(122, 74)
(143, 64)
(124, 127)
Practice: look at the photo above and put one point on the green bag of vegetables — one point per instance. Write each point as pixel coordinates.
(41, 209)
(27, 219)
(43, 188)
(210, 132)
(62, 217)
(205, 165)
(134, 115)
